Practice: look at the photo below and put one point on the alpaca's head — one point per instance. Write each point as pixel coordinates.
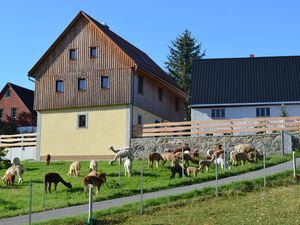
(111, 148)
(110, 162)
(69, 185)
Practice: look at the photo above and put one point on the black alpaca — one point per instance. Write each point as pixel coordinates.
(177, 169)
(54, 178)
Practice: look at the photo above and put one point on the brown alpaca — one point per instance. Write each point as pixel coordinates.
(251, 156)
(205, 164)
(48, 158)
(235, 157)
(154, 156)
(96, 181)
(180, 149)
(193, 170)
(168, 156)
(194, 154)
(217, 153)
(9, 179)
(54, 178)
(186, 158)
(176, 168)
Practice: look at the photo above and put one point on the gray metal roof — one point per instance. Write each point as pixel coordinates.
(245, 80)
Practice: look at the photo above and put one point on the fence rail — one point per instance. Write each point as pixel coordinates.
(17, 140)
(218, 127)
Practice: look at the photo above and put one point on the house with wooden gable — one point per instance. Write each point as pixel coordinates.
(16, 105)
(234, 88)
(92, 87)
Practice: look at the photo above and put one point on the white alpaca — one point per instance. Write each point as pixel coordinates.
(128, 167)
(121, 153)
(221, 161)
(93, 165)
(15, 170)
(74, 169)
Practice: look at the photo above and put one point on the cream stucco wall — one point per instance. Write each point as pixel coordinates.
(147, 117)
(106, 126)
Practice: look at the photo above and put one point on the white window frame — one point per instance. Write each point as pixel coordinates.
(259, 111)
(86, 120)
(217, 113)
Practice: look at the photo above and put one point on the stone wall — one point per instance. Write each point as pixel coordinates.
(271, 143)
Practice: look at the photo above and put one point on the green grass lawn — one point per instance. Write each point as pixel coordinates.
(245, 202)
(15, 201)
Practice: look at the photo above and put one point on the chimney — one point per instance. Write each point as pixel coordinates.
(251, 55)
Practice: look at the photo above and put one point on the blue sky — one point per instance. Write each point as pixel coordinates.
(231, 28)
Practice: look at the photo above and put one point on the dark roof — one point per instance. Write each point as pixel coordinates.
(25, 95)
(245, 80)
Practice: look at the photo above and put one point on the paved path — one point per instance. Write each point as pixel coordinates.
(80, 209)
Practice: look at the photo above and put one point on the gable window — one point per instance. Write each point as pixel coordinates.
(93, 52)
(1, 114)
(160, 93)
(140, 84)
(81, 84)
(263, 112)
(59, 86)
(176, 103)
(217, 113)
(140, 120)
(73, 54)
(7, 94)
(13, 113)
(82, 121)
(104, 82)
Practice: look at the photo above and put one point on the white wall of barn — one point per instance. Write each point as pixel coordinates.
(242, 112)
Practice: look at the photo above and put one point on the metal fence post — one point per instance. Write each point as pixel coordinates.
(282, 141)
(141, 185)
(120, 171)
(182, 166)
(294, 164)
(30, 202)
(216, 173)
(265, 179)
(90, 219)
(22, 142)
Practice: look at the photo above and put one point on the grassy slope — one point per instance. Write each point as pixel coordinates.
(239, 203)
(14, 201)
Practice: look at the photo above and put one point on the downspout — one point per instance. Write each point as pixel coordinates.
(132, 99)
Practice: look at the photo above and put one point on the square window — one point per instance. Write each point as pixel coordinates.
(263, 112)
(81, 84)
(7, 94)
(104, 82)
(93, 52)
(217, 113)
(140, 120)
(177, 104)
(82, 121)
(72, 54)
(160, 93)
(59, 86)
(140, 84)
(13, 113)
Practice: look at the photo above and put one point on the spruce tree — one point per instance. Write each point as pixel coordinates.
(183, 50)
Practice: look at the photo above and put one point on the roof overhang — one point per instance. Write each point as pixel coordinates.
(243, 104)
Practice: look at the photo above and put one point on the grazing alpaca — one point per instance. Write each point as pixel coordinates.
(16, 161)
(74, 169)
(16, 170)
(186, 158)
(9, 179)
(48, 158)
(221, 161)
(176, 168)
(235, 157)
(244, 148)
(128, 167)
(121, 153)
(205, 164)
(185, 147)
(194, 154)
(93, 165)
(154, 156)
(251, 156)
(193, 170)
(169, 156)
(96, 181)
(54, 178)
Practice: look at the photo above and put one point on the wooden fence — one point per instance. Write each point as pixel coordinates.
(218, 127)
(17, 140)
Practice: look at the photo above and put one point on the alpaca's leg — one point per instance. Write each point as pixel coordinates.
(55, 185)
(45, 187)
(157, 163)
(49, 188)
